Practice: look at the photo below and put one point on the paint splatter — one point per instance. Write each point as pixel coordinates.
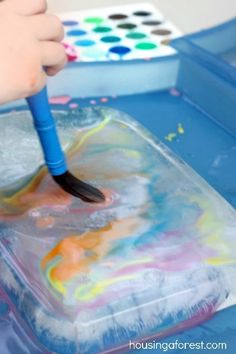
(73, 105)
(174, 92)
(170, 137)
(70, 52)
(60, 100)
(180, 129)
(104, 99)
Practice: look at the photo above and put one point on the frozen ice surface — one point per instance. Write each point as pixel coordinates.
(158, 254)
(20, 152)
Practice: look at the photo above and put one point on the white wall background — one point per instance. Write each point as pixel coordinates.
(188, 15)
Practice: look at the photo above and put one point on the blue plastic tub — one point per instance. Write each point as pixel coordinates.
(187, 101)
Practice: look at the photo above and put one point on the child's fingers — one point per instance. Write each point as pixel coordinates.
(34, 83)
(47, 27)
(27, 7)
(53, 56)
(53, 70)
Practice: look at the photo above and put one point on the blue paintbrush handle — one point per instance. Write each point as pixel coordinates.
(45, 126)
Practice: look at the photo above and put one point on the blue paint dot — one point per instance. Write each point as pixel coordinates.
(110, 39)
(120, 50)
(70, 23)
(85, 43)
(4, 308)
(76, 33)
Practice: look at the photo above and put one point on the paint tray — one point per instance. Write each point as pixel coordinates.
(159, 256)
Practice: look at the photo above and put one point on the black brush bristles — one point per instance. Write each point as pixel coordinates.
(79, 189)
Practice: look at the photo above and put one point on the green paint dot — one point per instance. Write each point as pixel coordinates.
(146, 46)
(94, 20)
(136, 35)
(102, 29)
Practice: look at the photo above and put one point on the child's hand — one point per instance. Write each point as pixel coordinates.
(30, 40)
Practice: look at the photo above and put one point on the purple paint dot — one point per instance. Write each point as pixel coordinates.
(120, 50)
(70, 23)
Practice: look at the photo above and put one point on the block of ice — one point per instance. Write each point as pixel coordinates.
(88, 278)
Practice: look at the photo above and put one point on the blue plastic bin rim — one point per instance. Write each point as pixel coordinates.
(214, 63)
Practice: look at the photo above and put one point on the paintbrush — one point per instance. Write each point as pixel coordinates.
(54, 157)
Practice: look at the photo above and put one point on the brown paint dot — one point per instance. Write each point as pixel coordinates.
(161, 32)
(118, 17)
(165, 42)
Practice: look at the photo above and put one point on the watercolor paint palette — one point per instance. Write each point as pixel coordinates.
(126, 32)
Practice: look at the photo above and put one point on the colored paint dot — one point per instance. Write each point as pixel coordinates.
(161, 32)
(70, 23)
(85, 43)
(118, 17)
(94, 20)
(127, 26)
(142, 13)
(93, 102)
(110, 39)
(151, 23)
(120, 50)
(165, 41)
(146, 46)
(102, 29)
(136, 35)
(76, 33)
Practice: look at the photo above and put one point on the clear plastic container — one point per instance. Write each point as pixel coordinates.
(158, 255)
